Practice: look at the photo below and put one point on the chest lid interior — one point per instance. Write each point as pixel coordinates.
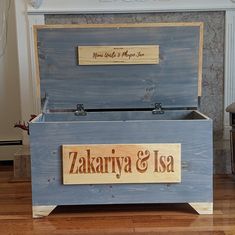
(174, 80)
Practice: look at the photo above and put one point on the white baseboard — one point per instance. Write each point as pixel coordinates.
(7, 152)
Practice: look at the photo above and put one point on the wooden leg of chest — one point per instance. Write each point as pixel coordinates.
(41, 211)
(202, 208)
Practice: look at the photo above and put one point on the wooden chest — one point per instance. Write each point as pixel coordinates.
(119, 122)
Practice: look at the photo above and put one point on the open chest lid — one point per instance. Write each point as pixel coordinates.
(124, 66)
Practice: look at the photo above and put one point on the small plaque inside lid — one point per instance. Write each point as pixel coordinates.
(101, 55)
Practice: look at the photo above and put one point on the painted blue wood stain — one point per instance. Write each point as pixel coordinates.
(173, 82)
(195, 135)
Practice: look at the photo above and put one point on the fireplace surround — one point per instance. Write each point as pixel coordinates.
(218, 15)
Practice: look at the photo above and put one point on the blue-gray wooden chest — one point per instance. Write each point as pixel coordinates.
(124, 104)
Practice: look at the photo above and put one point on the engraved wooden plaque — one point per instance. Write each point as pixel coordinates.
(108, 55)
(121, 163)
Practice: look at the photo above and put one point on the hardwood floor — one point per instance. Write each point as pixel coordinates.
(15, 214)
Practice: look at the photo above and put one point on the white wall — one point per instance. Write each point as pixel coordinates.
(9, 82)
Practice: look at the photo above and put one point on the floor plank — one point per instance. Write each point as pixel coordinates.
(178, 219)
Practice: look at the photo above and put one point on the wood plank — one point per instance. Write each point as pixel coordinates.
(41, 211)
(36, 59)
(200, 63)
(111, 55)
(175, 81)
(121, 163)
(22, 166)
(132, 25)
(202, 208)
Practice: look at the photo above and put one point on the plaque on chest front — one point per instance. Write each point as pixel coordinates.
(121, 163)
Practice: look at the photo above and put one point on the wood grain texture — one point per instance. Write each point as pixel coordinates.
(42, 211)
(22, 167)
(121, 163)
(205, 208)
(173, 82)
(200, 59)
(36, 59)
(111, 55)
(151, 219)
(195, 136)
(132, 25)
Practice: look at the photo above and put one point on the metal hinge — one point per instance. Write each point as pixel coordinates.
(158, 109)
(80, 111)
